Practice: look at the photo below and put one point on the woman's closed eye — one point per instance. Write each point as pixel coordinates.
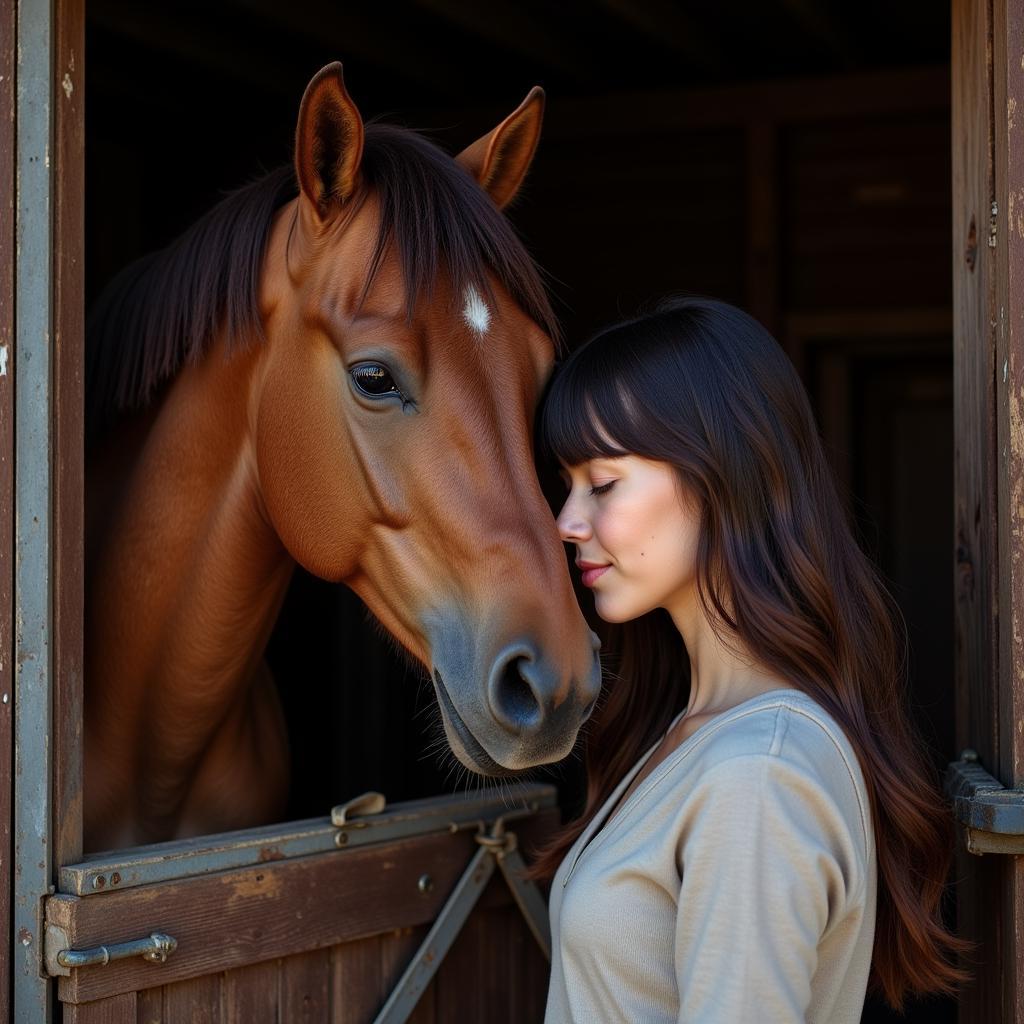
(602, 488)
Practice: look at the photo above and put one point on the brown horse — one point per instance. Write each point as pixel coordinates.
(345, 378)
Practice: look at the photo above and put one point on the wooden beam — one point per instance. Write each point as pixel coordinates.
(782, 102)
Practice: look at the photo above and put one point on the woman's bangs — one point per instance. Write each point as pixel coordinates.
(583, 417)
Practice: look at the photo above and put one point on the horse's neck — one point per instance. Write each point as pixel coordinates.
(187, 574)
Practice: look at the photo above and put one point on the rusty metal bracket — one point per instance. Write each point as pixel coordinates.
(498, 848)
(992, 816)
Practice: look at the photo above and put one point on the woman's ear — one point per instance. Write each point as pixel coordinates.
(328, 142)
(499, 160)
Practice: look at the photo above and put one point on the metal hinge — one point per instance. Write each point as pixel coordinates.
(991, 815)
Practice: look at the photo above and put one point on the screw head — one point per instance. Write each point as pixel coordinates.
(341, 839)
(425, 884)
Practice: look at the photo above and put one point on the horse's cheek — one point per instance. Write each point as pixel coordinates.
(313, 508)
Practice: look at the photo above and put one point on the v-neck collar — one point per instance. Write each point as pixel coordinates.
(604, 819)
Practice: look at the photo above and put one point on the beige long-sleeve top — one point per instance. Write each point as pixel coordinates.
(736, 884)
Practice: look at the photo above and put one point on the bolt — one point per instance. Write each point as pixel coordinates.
(425, 884)
(99, 882)
(115, 878)
(341, 839)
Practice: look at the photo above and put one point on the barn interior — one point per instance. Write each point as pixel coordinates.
(790, 156)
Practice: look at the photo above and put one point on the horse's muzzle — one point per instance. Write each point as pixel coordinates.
(527, 716)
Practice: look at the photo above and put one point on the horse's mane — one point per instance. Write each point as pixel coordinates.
(161, 312)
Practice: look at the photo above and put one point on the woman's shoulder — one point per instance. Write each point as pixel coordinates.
(785, 737)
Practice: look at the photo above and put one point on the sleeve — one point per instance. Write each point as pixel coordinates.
(766, 860)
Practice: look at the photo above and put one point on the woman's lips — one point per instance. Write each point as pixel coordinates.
(592, 573)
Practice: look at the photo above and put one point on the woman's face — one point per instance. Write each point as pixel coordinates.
(635, 534)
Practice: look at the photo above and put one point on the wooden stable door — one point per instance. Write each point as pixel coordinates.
(309, 921)
(988, 275)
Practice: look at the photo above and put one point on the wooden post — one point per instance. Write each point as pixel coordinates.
(68, 427)
(988, 274)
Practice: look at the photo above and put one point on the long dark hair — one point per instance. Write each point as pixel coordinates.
(702, 386)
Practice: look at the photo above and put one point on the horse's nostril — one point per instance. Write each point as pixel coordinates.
(517, 702)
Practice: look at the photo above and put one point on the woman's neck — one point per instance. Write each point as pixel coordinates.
(722, 675)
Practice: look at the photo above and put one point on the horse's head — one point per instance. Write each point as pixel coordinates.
(408, 343)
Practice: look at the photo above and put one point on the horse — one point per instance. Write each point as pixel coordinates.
(338, 367)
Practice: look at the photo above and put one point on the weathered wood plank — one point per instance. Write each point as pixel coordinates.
(8, 35)
(115, 1010)
(976, 471)
(251, 994)
(357, 988)
(195, 1001)
(150, 1008)
(1008, 93)
(69, 417)
(241, 917)
(305, 988)
(457, 998)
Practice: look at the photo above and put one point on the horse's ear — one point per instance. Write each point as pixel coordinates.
(500, 159)
(328, 142)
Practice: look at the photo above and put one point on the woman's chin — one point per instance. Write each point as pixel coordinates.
(612, 611)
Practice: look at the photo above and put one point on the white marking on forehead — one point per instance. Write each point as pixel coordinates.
(477, 315)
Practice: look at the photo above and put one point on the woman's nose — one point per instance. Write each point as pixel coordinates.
(571, 525)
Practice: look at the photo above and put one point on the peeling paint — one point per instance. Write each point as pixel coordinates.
(3, 360)
(1011, 110)
(261, 885)
(67, 85)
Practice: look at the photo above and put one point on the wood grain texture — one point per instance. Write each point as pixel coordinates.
(1007, 50)
(357, 987)
(251, 994)
(7, 247)
(988, 891)
(242, 917)
(150, 1006)
(305, 988)
(195, 1001)
(69, 456)
(115, 1010)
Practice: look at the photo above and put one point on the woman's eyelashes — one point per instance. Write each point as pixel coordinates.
(602, 488)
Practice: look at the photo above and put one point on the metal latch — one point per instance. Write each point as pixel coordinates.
(992, 816)
(60, 960)
(363, 806)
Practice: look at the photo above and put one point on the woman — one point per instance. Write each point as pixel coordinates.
(778, 846)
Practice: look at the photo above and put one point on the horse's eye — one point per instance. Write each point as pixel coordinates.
(374, 380)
